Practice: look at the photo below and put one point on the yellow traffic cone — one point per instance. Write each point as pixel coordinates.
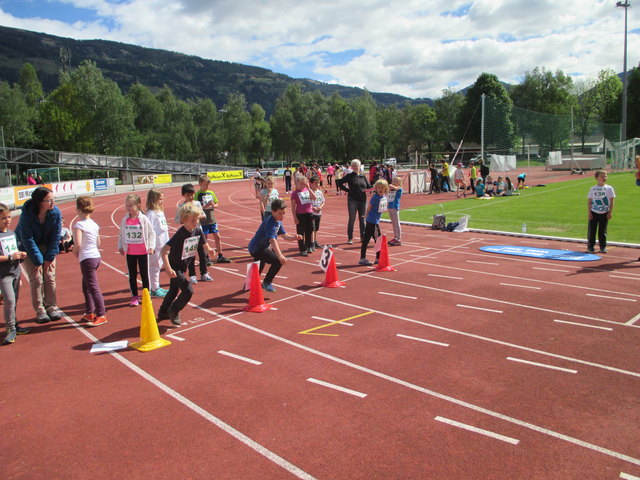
(149, 334)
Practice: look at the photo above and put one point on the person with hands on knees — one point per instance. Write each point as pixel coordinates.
(38, 234)
(10, 259)
(264, 246)
(178, 253)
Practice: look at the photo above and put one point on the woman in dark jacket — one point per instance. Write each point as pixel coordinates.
(356, 185)
(38, 234)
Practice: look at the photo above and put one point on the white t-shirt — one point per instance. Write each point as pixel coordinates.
(601, 198)
(160, 227)
(90, 233)
(318, 201)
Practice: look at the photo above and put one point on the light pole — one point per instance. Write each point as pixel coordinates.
(623, 133)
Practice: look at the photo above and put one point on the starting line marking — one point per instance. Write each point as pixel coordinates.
(633, 320)
(626, 476)
(308, 332)
(445, 276)
(551, 269)
(584, 325)
(322, 319)
(611, 298)
(337, 387)
(175, 337)
(396, 295)
(543, 365)
(471, 428)
(519, 286)
(626, 278)
(239, 357)
(479, 308)
(422, 340)
(483, 263)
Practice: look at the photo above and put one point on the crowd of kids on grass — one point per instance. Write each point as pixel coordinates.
(144, 239)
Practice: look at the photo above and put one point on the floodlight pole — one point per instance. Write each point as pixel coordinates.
(623, 132)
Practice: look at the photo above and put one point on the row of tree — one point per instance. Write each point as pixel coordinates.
(89, 113)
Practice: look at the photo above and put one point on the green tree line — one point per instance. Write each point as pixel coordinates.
(88, 113)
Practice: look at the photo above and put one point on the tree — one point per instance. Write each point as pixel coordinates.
(30, 85)
(208, 135)
(633, 103)
(418, 127)
(388, 123)
(177, 127)
(17, 118)
(260, 143)
(286, 124)
(340, 128)
(237, 127)
(447, 109)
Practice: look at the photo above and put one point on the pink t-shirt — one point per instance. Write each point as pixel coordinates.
(330, 170)
(134, 236)
(302, 200)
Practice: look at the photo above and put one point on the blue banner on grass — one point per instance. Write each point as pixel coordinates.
(546, 253)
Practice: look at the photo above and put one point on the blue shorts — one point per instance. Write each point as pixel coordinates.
(207, 229)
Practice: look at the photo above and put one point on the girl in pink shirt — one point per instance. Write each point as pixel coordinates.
(302, 209)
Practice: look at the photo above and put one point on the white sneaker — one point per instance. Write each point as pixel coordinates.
(206, 278)
(193, 279)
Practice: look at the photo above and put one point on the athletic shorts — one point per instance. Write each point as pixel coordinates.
(207, 229)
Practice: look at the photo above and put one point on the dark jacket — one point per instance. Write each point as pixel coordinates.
(356, 186)
(32, 234)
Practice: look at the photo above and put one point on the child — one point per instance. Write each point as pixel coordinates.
(600, 205)
(264, 244)
(317, 204)
(508, 188)
(376, 206)
(155, 214)
(287, 179)
(302, 208)
(10, 259)
(137, 239)
(394, 211)
(458, 177)
(188, 194)
(473, 175)
(177, 255)
(66, 239)
(87, 233)
(499, 184)
(209, 203)
(521, 181)
(267, 196)
(479, 188)
(488, 186)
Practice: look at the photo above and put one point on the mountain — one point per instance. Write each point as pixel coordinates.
(188, 76)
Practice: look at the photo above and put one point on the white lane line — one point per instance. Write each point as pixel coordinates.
(551, 270)
(238, 435)
(445, 276)
(626, 278)
(322, 319)
(584, 325)
(175, 337)
(337, 387)
(520, 286)
(543, 365)
(479, 308)
(397, 295)
(471, 428)
(633, 320)
(239, 357)
(483, 263)
(610, 298)
(422, 340)
(626, 476)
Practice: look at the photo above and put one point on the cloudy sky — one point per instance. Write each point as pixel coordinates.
(409, 47)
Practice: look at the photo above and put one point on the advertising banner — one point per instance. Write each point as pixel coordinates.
(22, 194)
(230, 175)
(164, 178)
(100, 184)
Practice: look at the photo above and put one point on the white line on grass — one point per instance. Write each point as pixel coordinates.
(337, 387)
(479, 308)
(239, 357)
(584, 325)
(520, 286)
(397, 295)
(610, 298)
(422, 340)
(471, 428)
(543, 365)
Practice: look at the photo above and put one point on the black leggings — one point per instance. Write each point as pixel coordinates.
(371, 230)
(180, 284)
(266, 255)
(305, 228)
(133, 263)
(202, 258)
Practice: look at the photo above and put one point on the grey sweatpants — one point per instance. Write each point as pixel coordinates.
(10, 287)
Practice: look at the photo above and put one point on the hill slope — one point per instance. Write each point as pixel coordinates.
(188, 76)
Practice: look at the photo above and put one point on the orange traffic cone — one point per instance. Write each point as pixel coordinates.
(256, 299)
(383, 261)
(149, 334)
(331, 279)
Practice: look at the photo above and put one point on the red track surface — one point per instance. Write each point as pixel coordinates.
(433, 347)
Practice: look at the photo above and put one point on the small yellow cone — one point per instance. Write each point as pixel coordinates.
(149, 334)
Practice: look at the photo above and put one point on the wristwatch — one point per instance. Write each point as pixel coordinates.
(9, 256)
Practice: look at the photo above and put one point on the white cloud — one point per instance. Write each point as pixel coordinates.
(414, 48)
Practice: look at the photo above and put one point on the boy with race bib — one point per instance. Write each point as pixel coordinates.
(376, 206)
(177, 255)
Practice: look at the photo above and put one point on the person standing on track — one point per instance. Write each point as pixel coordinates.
(267, 196)
(302, 207)
(87, 234)
(136, 240)
(287, 179)
(601, 197)
(209, 203)
(318, 204)
(377, 205)
(356, 186)
(38, 234)
(264, 246)
(10, 260)
(155, 214)
(394, 211)
(188, 194)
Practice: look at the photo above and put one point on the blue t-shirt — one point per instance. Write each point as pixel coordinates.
(522, 176)
(480, 189)
(269, 228)
(394, 198)
(378, 205)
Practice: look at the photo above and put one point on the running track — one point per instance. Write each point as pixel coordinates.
(459, 365)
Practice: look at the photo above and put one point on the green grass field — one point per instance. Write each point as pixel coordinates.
(558, 210)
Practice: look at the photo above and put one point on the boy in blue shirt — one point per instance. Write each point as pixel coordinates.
(377, 205)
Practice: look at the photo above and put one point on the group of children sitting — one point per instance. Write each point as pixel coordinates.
(490, 188)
